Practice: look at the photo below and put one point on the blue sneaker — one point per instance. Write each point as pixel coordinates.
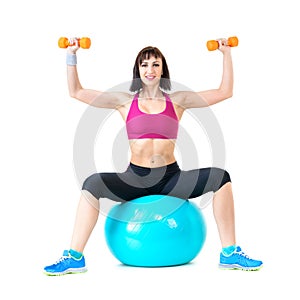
(238, 260)
(66, 265)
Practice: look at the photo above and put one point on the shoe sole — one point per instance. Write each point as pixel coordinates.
(68, 271)
(238, 267)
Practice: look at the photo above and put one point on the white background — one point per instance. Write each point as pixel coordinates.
(39, 190)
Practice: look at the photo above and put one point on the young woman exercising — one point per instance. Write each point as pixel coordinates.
(152, 119)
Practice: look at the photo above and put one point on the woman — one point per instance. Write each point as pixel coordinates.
(152, 118)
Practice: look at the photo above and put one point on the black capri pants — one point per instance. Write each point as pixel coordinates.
(170, 180)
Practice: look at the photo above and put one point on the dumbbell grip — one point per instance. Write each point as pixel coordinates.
(214, 44)
(84, 43)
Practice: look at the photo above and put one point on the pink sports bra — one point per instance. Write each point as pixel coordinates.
(140, 125)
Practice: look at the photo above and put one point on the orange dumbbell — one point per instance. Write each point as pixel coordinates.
(214, 44)
(84, 43)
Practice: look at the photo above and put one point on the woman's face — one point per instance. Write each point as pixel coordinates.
(151, 71)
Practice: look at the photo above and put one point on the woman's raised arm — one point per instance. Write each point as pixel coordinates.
(89, 96)
(213, 96)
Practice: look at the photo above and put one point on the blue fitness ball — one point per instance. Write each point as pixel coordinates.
(155, 231)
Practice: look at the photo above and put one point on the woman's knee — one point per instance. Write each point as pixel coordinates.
(226, 178)
(221, 177)
(92, 185)
(105, 185)
(90, 198)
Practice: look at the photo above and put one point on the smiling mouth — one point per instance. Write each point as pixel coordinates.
(150, 77)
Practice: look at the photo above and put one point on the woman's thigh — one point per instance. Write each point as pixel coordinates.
(118, 187)
(196, 182)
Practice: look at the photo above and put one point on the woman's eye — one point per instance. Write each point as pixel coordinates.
(156, 65)
(143, 65)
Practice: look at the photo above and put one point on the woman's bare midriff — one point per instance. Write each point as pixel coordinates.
(152, 153)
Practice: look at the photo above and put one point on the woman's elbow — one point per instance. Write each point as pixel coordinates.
(229, 95)
(226, 94)
(74, 94)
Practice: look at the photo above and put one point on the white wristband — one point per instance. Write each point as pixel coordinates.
(71, 59)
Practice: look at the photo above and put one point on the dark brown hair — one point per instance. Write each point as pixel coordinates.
(146, 53)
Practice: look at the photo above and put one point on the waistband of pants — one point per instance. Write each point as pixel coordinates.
(142, 171)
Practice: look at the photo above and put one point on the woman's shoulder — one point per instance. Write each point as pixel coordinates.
(178, 97)
(122, 98)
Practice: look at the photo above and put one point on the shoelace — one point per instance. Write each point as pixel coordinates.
(61, 259)
(241, 253)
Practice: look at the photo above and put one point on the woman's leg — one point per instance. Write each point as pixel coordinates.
(100, 185)
(72, 261)
(232, 256)
(223, 208)
(219, 182)
(85, 220)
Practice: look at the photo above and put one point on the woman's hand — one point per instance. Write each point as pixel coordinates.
(75, 45)
(223, 46)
